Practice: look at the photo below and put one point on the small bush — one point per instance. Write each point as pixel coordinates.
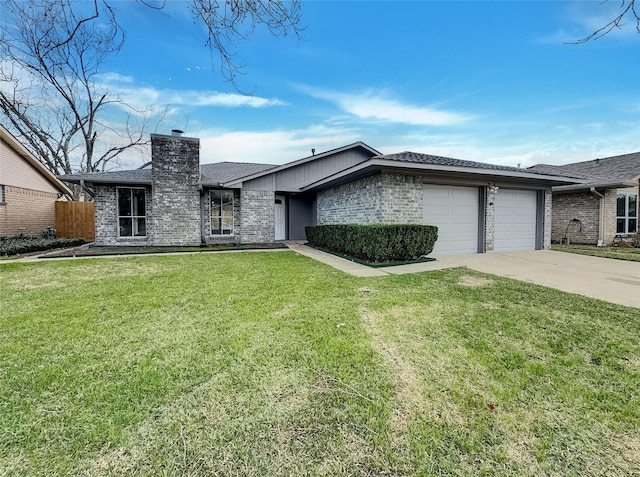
(375, 243)
(20, 245)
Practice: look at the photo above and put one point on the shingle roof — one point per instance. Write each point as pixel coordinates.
(136, 176)
(219, 172)
(210, 174)
(625, 167)
(415, 157)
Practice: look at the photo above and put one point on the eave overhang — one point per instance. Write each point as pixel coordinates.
(376, 165)
(595, 185)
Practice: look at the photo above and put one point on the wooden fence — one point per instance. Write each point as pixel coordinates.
(75, 220)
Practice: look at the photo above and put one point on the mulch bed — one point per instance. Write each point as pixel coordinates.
(94, 251)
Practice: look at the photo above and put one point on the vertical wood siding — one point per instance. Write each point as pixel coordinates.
(75, 220)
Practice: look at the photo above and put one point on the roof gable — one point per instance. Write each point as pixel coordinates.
(299, 162)
(32, 161)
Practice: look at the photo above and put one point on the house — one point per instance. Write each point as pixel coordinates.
(601, 210)
(28, 191)
(478, 207)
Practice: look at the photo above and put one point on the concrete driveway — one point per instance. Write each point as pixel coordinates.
(617, 281)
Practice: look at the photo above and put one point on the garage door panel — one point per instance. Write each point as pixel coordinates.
(454, 210)
(515, 220)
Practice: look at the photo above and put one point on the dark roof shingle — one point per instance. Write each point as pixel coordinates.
(625, 167)
(416, 157)
(210, 174)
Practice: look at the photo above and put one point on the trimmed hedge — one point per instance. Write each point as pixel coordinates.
(379, 243)
(20, 245)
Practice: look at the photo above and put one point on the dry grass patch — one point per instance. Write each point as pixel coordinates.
(474, 281)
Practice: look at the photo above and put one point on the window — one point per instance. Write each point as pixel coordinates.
(132, 218)
(627, 213)
(221, 212)
(1, 194)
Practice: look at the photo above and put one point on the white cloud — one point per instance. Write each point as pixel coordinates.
(587, 17)
(377, 106)
(141, 97)
(270, 147)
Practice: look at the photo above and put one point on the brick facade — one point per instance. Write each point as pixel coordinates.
(585, 207)
(547, 221)
(402, 197)
(26, 211)
(575, 216)
(106, 218)
(383, 198)
(175, 191)
(489, 219)
(610, 215)
(257, 216)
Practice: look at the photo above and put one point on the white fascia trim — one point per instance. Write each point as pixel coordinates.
(440, 168)
(589, 185)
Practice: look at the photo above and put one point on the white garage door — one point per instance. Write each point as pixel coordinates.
(515, 223)
(455, 211)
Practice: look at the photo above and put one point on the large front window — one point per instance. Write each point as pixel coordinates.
(221, 212)
(132, 217)
(627, 213)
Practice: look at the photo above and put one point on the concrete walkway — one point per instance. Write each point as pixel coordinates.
(617, 281)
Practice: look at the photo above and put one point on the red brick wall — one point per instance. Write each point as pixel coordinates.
(26, 212)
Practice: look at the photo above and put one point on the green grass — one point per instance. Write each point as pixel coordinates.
(273, 364)
(620, 253)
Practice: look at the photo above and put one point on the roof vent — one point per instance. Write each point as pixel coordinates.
(177, 132)
(313, 152)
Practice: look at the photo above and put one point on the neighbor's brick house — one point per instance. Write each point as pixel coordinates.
(177, 201)
(603, 209)
(28, 191)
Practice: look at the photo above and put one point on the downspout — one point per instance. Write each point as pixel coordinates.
(86, 189)
(601, 216)
(203, 240)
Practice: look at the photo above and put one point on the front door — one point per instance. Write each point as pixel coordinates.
(280, 218)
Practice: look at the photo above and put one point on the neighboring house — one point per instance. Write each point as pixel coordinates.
(603, 209)
(28, 191)
(477, 207)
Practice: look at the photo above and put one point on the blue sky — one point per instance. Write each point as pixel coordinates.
(485, 81)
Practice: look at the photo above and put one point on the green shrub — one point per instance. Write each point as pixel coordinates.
(375, 243)
(20, 245)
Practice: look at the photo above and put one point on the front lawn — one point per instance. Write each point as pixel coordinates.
(273, 364)
(620, 253)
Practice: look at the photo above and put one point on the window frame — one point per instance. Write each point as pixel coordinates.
(627, 217)
(134, 218)
(219, 218)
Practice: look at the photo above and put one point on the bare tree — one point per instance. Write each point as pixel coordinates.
(626, 13)
(52, 53)
(230, 21)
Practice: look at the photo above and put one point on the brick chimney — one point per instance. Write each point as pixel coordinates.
(175, 190)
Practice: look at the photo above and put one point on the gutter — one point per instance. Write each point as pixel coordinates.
(600, 215)
(591, 185)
